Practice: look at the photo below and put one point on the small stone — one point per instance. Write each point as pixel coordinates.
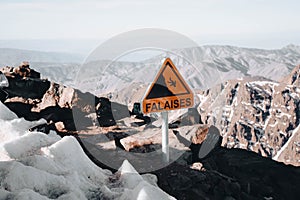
(197, 166)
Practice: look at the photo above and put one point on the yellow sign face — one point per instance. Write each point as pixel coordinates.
(169, 91)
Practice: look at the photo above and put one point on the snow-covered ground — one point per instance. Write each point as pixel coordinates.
(34, 165)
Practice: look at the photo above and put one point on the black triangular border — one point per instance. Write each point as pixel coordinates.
(169, 62)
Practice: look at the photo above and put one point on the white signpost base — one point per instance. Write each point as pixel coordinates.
(165, 137)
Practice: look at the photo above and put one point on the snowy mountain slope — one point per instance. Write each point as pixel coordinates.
(203, 67)
(272, 64)
(38, 166)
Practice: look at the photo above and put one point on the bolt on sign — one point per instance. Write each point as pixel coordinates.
(169, 91)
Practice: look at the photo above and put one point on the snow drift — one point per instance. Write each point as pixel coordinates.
(38, 166)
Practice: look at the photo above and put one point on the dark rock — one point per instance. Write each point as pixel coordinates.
(240, 175)
(27, 88)
(3, 95)
(23, 110)
(44, 128)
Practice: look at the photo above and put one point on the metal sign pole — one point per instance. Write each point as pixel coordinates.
(165, 137)
(171, 94)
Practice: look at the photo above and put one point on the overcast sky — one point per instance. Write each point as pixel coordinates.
(248, 23)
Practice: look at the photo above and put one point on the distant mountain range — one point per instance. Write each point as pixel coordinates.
(203, 67)
(56, 66)
(234, 62)
(12, 57)
(215, 64)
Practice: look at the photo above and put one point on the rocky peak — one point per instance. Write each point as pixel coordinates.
(293, 77)
(292, 47)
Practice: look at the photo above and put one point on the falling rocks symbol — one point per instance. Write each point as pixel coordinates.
(169, 91)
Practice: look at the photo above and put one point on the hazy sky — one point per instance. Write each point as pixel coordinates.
(249, 23)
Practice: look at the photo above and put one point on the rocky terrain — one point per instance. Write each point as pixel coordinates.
(33, 98)
(230, 174)
(257, 114)
(252, 114)
(94, 120)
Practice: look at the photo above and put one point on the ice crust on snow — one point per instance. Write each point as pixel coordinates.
(38, 166)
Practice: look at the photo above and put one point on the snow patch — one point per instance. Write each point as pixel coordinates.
(142, 190)
(38, 166)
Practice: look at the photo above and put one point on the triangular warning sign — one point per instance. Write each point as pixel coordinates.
(169, 91)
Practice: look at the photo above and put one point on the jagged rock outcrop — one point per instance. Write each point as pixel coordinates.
(256, 114)
(66, 108)
(293, 77)
(21, 71)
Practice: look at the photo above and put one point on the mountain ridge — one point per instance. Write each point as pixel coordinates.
(13, 56)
